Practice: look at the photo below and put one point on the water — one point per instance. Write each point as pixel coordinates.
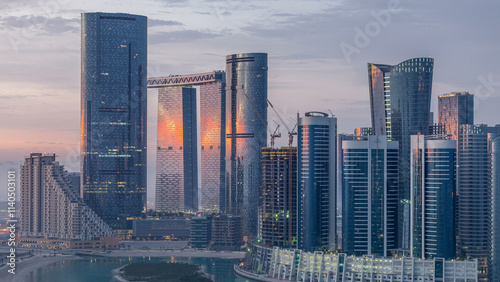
(99, 269)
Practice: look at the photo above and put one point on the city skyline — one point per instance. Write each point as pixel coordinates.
(315, 58)
(416, 181)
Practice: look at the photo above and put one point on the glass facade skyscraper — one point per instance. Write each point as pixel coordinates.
(113, 115)
(400, 100)
(433, 189)
(369, 200)
(246, 121)
(473, 196)
(317, 152)
(455, 109)
(494, 151)
(190, 154)
(176, 157)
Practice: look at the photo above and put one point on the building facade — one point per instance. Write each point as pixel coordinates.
(52, 211)
(370, 196)
(246, 122)
(494, 152)
(363, 131)
(400, 100)
(201, 231)
(191, 139)
(433, 187)
(169, 229)
(454, 110)
(226, 232)
(113, 115)
(278, 212)
(297, 265)
(473, 214)
(317, 134)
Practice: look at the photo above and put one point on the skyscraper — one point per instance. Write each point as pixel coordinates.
(494, 151)
(400, 100)
(363, 131)
(190, 155)
(473, 196)
(52, 214)
(279, 197)
(433, 189)
(113, 115)
(246, 122)
(177, 160)
(341, 137)
(370, 196)
(455, 109)
(317, 134)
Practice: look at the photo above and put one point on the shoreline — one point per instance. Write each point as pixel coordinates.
(26, 266)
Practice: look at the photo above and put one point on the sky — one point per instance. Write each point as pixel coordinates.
(318, 55)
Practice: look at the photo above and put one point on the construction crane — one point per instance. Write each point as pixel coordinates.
(272, 134)
(291, 133)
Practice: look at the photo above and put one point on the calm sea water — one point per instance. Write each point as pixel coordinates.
(99, 269)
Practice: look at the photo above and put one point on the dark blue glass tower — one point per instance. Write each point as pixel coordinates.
(494, 152)
(113, 115)
(400, 101)
(317, 137)
(370, 183)
(433, 192)
(246, 120)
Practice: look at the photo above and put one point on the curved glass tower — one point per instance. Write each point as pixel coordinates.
(113, 115)
(317, 137)
(246, 120)
(400, 101)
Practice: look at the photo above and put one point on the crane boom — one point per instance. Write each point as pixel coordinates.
(279, 116)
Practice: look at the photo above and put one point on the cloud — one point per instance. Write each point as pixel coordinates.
(32, 23)
(176, 3)
(9, 163)
(154, 22)
(180, 36)
(18, 97)
(11, 97)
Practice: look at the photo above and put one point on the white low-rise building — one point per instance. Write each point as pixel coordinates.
(296, 265)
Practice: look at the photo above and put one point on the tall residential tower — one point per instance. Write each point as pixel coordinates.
(52, 213)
